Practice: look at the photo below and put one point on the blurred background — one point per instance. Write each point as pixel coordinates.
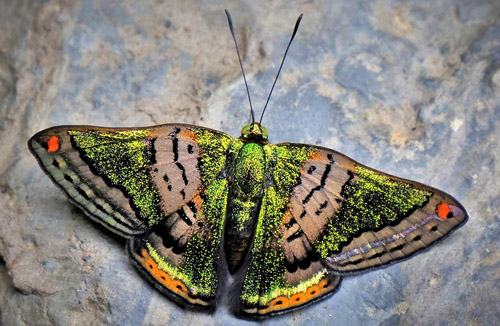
(411, 88)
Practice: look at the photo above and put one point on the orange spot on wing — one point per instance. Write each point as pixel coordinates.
(298, 299)
(279, 303)
(312, 292)
(198, 203)
(187, 134)
(53, 144)
(443, 210)
(152, 267)
(323, 284)
(178, 287)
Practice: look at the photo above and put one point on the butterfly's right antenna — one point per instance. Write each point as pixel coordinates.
(281, 65)
(230, 21)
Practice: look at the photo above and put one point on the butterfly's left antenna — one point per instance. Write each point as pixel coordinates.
(282, 61)
(230, 21)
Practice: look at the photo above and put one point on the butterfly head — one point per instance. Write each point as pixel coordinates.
(254, 132)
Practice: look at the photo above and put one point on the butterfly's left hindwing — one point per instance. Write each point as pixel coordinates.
(161, 187)
(324, 214)
(180, 255)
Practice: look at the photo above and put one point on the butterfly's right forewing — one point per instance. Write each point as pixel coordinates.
(324, 214)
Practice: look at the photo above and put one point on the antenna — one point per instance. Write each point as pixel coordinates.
(230, 21)
(282, 61)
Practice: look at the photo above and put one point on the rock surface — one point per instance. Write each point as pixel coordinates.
(408, 87)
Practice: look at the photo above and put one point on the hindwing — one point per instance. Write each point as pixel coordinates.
(284, 272)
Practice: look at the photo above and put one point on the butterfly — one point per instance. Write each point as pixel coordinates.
(298, 217)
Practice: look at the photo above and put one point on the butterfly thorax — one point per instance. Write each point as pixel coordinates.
(248, 173)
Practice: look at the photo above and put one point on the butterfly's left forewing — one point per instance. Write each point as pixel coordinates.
(324, 214)
(162, 187)
(103, 171)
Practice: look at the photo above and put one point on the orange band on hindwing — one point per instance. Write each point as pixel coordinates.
(174, 285)
(283, 303)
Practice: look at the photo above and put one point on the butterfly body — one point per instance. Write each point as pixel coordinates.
(247, 169)
(301, 215)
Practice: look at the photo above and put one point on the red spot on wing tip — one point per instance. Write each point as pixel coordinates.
(443, 210)
(53, 144)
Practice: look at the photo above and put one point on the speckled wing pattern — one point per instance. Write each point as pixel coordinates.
(166, 189)
(158, 186)
(325, 215)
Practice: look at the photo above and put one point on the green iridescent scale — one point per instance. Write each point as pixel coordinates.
(202, 250)
(371, 202)
(123, 160)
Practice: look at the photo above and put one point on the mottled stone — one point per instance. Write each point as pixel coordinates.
(408, 87)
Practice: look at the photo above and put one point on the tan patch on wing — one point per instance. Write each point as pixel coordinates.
(316, 199)
(176, 173)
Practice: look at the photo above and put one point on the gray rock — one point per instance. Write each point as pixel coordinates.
(410, 88)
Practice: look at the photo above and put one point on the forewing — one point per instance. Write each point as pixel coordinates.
(126, 179)
(160, 186)
(106, 172)
(358, 218)
(331, 212)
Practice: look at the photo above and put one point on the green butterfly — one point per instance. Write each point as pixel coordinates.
(296, 216)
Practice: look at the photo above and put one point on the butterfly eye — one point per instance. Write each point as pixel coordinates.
(245, 132)
(264, 132)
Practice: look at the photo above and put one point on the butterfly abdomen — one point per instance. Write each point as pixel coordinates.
(248, 174)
